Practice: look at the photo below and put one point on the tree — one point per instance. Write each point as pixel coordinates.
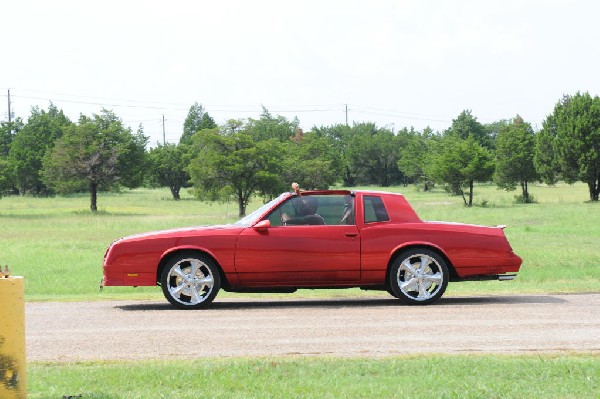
(413, 156)
(272, 127)
(466, 125)
(133, 158)
(8, 130)
(197, 119)
(311, 161)
(515, 146)
(338, 138)
(7, 134)
(233, 161)
(576, 125)
(30, 145)
(97, 153)
(167, 167)
(373, 155)
(4, 175)
(545, 156)
(493, 130)
(242, 158)
(460, 158)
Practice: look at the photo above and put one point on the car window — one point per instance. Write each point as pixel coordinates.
(250, 219)
(375, 209)
(328, 210)
(333, 208)
(286, 208)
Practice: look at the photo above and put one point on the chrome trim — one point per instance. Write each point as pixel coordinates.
(506, 277)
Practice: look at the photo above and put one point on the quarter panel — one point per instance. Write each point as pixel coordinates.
(472, 250)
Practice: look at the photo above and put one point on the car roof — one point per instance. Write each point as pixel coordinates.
(346, 192)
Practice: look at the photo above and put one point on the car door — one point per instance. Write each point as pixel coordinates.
(301, 255)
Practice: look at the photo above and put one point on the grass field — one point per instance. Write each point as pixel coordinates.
(428, 376)
(58, 245)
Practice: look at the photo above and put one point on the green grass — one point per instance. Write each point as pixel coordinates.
(427, 376)
(58, 245)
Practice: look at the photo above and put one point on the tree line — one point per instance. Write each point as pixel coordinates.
(50, 154)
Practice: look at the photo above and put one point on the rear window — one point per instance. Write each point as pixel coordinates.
(375, 210)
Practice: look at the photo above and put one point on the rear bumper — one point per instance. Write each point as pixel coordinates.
(486, 277)
(493, 266)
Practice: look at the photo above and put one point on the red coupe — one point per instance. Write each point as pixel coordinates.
(314, 239)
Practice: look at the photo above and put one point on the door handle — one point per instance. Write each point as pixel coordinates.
(351, 235)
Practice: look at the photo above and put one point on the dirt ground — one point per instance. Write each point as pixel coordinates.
(375, 327)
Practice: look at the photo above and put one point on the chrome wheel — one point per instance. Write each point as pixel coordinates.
(419, 277)
(190, 281)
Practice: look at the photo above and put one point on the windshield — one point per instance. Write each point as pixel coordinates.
(250, 219)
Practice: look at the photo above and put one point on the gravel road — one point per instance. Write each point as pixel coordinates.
(117, 330)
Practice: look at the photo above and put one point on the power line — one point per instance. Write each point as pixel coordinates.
(407, 114)
(105, 98)
(175, 107)
(96, 103)
(113, 102)
(393, 115)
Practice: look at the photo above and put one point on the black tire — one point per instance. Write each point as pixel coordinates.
(418, 276)
(190, 280)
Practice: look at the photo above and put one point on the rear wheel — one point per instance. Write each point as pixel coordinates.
(418, 276)
(190, 281)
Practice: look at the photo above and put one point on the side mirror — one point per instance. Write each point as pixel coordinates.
(263, 225)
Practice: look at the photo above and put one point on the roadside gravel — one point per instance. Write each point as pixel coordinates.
(374, 327)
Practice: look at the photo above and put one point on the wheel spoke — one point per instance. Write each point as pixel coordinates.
(406, 265)
(434, 278)
(425, 261)
(423, 293)
(176, 291)
(176, 271)
(195, 263)
(206, 281)
(195, 295)
(410, 285)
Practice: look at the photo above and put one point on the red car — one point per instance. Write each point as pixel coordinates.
(314, 239)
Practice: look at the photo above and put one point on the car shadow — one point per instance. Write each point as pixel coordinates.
(235, 304)
(500, 299)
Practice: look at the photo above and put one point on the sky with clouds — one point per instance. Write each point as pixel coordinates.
(397, 63)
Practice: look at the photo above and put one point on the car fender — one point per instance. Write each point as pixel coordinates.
(226, 267)
(411, 244)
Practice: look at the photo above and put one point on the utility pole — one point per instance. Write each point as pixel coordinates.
(164, 136)
(346, 114)
(9, 116)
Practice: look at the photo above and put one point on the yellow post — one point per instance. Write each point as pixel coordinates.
(13, 372)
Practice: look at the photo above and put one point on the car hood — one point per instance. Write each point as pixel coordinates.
(181, 232)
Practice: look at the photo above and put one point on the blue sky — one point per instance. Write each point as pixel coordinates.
(395, 63)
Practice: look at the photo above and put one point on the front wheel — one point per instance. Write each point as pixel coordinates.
(190, 281)
(418, 276)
